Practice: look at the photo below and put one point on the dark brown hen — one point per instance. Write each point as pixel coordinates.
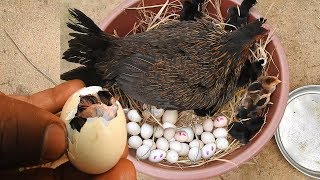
(182, 65)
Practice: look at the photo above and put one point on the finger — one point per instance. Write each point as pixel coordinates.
(124, 170)
(53, 99)
(29, 135)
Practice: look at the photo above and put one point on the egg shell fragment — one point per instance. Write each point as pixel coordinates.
(135, 142)
(196, 143)
(158, 131)
(134, 116)
(185, 149)
(207, 125)
(157, 155)
(222, 143)
(220, 132)
(207, 137)
(208, 150)
(194, 154)
(133, 128)
(167, 125)
(181, 136)
(189, 132)
(162, 144)
(198, 129)
(220, 121)
(172, 156)
(143, 152)
(170, 116)
(146, 131)
(157, 113)
(175, 145)
(169, 133)
(150, 143)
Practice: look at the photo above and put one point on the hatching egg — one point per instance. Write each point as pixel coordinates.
(175, 145)
(169, 133)
(181, 136)
(146, 131)
(163, 144)
(198, 129)
(150, 143)
(220, 132)
(133, 128)
(158, 131)
(134, 116)
(172, 156)
(143, 152)
(207, 125)
(222, 143)
(194, 154)
(91, 133)
(207, 137)
(196, 143)
(189, 132)
(170, 116)
(157, 155)
(135, 142)
(220, 121)
(185, 149)
(208, 150)
(157, 113)
(168, 125)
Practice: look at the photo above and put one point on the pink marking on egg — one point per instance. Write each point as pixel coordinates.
(154, 157)
(212, 148)
(207, 152)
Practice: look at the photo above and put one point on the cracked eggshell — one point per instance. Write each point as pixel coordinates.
(87, 148)
(170, 116)
(157, 113)
(167, 125)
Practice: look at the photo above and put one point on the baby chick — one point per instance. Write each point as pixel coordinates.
(269, 83)
(263, 101)
(191, 9)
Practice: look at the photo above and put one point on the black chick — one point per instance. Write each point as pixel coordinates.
(234, 18)
(250, 72)
(183, 65)
(191, 9)
(254, 124)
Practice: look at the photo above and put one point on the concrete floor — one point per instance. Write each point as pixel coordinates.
(35, 28)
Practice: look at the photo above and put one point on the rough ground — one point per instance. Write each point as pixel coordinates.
(34, 26)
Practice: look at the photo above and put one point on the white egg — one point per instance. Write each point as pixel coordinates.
(133, 128)
(196, 143)
(169, 133)
(135, 142)
(158, 131)
(198, 129)
(175, 145)
(168, 125)
(208, 150)
(220, 121)
(157, 155)
(134, 116)
(150, 143)
(190, 133)
(143, 152)
(222, 143)
(185, 149)
(207, 137)
(181, 136)
(146, 131)
(170, 116)
(194, 154)
(220, 132)
(172, 156)
(207, 125)
(157, 113)
(163, 144)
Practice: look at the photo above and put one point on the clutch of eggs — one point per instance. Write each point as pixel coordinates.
(167, 142)
(93, 120)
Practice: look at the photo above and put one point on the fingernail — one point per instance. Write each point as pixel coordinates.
(54, 142)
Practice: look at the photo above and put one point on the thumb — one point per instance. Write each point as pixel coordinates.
(28, 135)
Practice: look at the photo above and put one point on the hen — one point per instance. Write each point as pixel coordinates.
(182, 65)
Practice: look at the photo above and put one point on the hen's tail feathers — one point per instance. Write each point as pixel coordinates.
(87, 75)
(89, 42)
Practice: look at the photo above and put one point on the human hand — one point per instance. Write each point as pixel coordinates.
(30, 134)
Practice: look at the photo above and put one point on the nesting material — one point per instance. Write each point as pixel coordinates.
(192, 151)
